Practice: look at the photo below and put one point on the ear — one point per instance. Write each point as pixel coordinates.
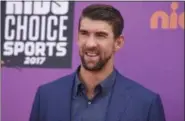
(119, 42)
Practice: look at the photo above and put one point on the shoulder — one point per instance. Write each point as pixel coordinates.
(59, 83)
(135, 89)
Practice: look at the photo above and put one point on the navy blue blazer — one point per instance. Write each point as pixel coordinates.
(129, 102)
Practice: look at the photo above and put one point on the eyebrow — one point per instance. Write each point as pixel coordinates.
(83, 30)
(102, 33)
(97, 32)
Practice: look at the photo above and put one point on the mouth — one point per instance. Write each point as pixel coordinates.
(91, 54)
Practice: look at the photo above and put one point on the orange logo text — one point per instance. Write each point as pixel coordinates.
(161, 19)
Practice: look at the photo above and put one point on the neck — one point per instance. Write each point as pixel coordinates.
(92, 78)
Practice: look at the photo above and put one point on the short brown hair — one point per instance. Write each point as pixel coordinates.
(106, 13)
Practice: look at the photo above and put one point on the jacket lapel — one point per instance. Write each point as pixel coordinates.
(62, 100)
(119, 100)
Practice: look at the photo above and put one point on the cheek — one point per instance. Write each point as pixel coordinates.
(80, 45)
(81, 49)
(80, 42)
(107, 47)
(106, 51)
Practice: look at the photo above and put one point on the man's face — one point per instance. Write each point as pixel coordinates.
(96, 43)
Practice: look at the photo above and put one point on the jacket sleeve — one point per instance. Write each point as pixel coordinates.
(34, 115)
(156, 112)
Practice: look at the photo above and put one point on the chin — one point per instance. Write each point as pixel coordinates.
(95, 67)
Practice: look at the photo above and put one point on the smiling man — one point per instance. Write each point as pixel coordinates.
(96, 91)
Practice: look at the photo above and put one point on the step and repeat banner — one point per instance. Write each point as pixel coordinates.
(37, 34)
(38, 45)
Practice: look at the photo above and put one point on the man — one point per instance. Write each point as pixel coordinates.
(96, 91)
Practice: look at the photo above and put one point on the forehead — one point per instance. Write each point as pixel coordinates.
(95, 25)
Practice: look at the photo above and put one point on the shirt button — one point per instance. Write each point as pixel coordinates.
(89, 102)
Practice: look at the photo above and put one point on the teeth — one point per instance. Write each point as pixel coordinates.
(91, 54)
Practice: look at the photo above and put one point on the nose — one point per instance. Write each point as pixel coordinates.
(91, 42)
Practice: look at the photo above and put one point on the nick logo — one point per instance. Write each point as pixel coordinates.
(161, 19)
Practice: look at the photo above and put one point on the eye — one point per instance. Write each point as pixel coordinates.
(101, 35)
(83, 32)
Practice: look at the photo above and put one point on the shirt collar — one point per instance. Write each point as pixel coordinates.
(106, 85)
